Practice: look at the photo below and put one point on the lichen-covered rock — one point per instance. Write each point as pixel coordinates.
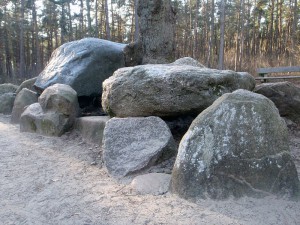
(60, 98)
(286, 97)
(133, 144)
(7, 102)
(83, 65)
(238, 146)
(54, 114)
(168, 90)
(35, 120)
(24, 98)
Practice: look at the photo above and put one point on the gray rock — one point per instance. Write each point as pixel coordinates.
(60, 98)
(133, 144)
(91, 128)
(152, 183)
(7, 102)
(27, 84)
(23, 99)
(35, 120)
(188, 61)
(54, 114)
(286, 97)
(238, 146)
(168, 90)
(83, 65)
(8, 88)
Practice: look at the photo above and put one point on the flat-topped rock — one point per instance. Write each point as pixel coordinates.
(168, 90)
(91, 128)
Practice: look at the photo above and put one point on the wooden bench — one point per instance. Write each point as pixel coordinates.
(263, 72)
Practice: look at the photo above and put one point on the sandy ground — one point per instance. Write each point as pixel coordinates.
(46, 180)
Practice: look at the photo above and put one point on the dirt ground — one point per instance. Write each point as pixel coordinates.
(48, 180)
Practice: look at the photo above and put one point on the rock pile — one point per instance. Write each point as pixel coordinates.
(54, 113)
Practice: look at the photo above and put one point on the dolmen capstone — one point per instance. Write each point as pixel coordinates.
(286, 97)
(83, 65)
(54, 114)
(23, 99)
(175, 89)
(7, 97)
(133, 144)
(236, 147)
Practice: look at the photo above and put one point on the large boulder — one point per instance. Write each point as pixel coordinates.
(238, 146)
(168, 90)
(23, 99)
(133, 144)
(83, 65)
(286, 97)
(54, 114)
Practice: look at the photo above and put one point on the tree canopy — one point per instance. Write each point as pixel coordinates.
(256, 33)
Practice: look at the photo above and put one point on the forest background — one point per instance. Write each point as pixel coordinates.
(254, 33)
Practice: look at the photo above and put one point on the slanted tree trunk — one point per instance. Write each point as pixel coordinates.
(157, 30)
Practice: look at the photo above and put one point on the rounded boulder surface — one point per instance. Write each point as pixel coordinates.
(238, 146)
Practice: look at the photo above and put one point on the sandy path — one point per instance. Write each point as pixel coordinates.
(46, 180)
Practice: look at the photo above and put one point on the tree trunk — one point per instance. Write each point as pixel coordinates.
(222, 20)
(157, 30)
(22, 52)
(107, 27)
(212, 27)
(88, 10)
(136, 21)
(38, 66)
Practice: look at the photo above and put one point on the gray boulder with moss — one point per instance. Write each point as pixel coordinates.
(54, 114)
(7, 102)
(238, 146)
(23, 99)
(134, 144)
(168, 90)
(7, 97)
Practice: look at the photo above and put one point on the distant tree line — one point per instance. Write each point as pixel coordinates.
(227, 34)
